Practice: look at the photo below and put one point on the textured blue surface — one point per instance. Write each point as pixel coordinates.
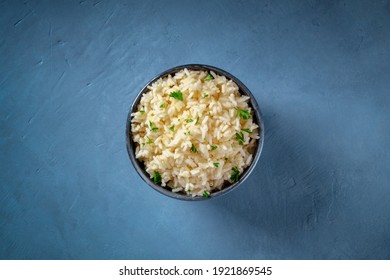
(69, 71)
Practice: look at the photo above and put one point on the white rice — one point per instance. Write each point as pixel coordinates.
(184, 157)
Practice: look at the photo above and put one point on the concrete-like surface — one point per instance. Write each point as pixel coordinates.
(69, 71)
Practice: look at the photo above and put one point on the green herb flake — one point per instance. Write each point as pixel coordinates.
(234, 175)
(150, 141)
(209, 78)
(214, 147)
(205, 95)
(177, 95)
(206, 194)
(143, 144)
(163, 105)
(240, 138)
(172, 128)
(142, 112)
(247, 130)
(197, 120)
(226, 158)
(193, 149)
(152, 127)
(243, 114)
(216, 164)
(189, 120)
(156, 177)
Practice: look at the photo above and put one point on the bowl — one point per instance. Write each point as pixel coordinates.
(139, 166)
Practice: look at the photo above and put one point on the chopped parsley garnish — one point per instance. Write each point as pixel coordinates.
(205, 95)
(209, 78)
(197, 120)
(234, 175)
(142, 111)
(156, 177)
(152, 127)
(243, 114)
(193, 149)
(214, 147)
(247, 130)
(172, 128)
(189, 120)
(226, 158)
(150, 141)
(163, 105)
(240, 138)
(206, 194)
(177, 95)
(216, 164)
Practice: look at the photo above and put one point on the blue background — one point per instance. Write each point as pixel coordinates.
(69, 71)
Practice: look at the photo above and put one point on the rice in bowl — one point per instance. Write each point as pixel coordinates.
(194, 132)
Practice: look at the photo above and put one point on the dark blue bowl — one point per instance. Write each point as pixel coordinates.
(139, 166)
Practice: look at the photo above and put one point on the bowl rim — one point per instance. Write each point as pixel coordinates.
(130, 145)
